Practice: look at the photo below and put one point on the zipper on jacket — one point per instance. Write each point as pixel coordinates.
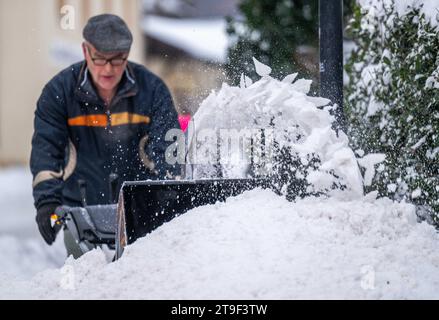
(108, 113)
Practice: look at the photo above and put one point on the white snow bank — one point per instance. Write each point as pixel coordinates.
(260, 246)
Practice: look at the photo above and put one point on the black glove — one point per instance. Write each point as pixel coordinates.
(44, 223)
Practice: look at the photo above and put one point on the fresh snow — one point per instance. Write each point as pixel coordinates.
(261, 69)
(368, 162)
(260, 246)
(23, 252)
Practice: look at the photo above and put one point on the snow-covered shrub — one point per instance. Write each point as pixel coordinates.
(392, 99)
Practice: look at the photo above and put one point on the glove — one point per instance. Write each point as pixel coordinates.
(44, 214)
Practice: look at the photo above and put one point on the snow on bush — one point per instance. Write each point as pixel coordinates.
(393, 97)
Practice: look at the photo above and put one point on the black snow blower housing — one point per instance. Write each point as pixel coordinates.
(144, 206)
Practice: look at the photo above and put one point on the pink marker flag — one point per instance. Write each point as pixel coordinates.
(184, 121)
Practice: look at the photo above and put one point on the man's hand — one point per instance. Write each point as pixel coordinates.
(44, 214)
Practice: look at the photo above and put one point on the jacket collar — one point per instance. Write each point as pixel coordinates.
(86, 92)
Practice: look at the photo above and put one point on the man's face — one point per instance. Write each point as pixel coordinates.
(106, 76)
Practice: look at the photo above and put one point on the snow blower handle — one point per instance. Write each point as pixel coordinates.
(58, 219)
(113, 182)
(82, 184)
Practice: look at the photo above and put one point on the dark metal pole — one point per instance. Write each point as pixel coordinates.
(331, 55)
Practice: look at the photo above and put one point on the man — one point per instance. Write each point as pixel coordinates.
(100, 117)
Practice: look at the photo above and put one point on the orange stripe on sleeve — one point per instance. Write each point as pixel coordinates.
(101, 120)
(119, 119)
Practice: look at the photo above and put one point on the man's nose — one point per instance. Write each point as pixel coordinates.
(108, 67)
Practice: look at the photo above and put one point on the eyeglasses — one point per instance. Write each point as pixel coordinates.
(115, 62)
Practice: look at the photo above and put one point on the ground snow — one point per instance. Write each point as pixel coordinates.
(23, 251)
(260, 246)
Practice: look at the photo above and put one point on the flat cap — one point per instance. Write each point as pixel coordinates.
(108, 33)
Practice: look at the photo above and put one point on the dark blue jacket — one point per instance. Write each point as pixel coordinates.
(77, 137)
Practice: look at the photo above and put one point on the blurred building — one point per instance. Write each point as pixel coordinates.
(37, 40)
(187, 46)
(188, 54)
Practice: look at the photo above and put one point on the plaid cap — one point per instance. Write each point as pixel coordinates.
(108, 33)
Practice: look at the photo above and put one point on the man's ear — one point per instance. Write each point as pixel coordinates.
(84, 50)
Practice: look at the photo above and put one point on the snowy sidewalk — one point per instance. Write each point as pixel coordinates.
(260, 246)
(23, 252)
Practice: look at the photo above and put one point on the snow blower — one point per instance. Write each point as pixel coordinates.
(143, 206)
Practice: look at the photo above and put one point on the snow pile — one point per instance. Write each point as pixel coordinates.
(260, 246)
(297, 120)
